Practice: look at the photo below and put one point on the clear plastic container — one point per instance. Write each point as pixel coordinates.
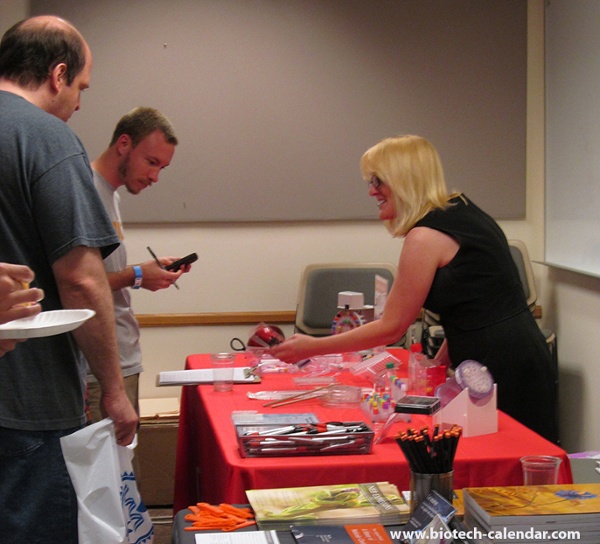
(424, 375)
(398, 389)
(435, 375)
(470, 375)
(416, 351)
(370, 367)
(417, 369)
(342, 396)
(448, 391)
(383, 380)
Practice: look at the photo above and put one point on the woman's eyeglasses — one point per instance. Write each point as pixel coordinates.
(375, 183)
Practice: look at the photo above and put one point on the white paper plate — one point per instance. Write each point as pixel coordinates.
(45, 324)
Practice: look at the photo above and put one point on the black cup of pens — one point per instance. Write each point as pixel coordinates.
(431, 460)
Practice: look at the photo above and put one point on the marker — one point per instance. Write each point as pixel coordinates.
(158, 262)
(277, 430)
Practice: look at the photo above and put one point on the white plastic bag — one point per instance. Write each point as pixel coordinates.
(111, 510)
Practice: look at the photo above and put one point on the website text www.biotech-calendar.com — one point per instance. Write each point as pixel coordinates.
(503, 533)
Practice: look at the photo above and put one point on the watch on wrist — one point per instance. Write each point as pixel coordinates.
(137, 282)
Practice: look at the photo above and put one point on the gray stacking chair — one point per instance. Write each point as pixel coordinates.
(319, 288)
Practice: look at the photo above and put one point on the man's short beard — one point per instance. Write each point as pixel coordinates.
(124, 171)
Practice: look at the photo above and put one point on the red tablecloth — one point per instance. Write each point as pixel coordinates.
(210, 468)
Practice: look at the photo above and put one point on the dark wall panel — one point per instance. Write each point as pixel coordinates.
(274, 101)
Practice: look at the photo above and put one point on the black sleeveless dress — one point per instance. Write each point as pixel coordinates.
(482, 307)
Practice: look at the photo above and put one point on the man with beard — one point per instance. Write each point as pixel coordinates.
(142, 144)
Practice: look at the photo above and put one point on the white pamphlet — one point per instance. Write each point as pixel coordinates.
(202, 376)
(245, 537)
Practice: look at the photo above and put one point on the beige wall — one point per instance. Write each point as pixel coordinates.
(12, 11)
(263, 262)
(248, 267)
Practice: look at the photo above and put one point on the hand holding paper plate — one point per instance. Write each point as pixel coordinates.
(45, 324)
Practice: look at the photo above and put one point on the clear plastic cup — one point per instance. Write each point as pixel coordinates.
(540, 469)
(222, 364)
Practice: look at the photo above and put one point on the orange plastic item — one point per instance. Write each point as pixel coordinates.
(226, 517)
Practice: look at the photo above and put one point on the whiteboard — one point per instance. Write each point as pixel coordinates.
(275, 101)
(573, 135)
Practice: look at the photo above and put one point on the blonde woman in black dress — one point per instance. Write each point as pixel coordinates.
(455, 261)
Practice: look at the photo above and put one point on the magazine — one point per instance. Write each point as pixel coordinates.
(342, 534)
(561, 506)
(429, 518)
(342, 504)
(433, 505)
(457, 501)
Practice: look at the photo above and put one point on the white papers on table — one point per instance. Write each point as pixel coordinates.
(246, 537)
(200, 376)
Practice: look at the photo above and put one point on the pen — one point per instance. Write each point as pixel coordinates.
(158, 262)
(430, 455)
(300, 364)
(278, 430)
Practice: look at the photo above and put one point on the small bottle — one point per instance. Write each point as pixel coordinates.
(390, 369)
(397, 385)
(423, 368)
(383, 380)
(390, 372)
(414, 360)
(435, 375)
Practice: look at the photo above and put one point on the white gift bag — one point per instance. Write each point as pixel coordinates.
(111, 510)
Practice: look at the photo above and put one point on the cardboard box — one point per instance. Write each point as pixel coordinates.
(156, 450)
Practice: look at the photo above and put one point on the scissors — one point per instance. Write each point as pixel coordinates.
(237, 345)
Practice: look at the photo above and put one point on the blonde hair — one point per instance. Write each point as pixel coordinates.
(412, 169)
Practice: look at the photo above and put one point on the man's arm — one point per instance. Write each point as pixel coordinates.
(82, 283)
(153, 276)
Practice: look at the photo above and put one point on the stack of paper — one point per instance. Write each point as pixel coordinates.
(540, 514)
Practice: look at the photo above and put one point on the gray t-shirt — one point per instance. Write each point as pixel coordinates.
(48, 206)
(128, 332)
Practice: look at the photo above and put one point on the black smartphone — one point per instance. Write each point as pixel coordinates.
(176, 265)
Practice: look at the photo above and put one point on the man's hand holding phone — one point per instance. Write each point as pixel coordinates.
(164, 272)
(183, 262)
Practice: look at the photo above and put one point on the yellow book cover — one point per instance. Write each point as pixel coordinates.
(544, 503)
(378, 502)
(458, 503)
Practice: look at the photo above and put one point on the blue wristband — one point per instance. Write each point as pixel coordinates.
(137, 270)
